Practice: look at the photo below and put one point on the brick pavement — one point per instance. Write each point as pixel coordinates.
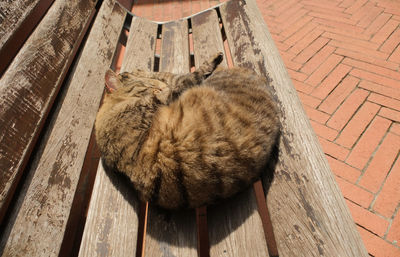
(343, 57)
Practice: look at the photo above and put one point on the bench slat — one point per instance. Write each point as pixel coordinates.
(31, 83)
(112, 225)
(235, 227)
(174, 235)
(38, 227)
(308, 212)
(17, 20)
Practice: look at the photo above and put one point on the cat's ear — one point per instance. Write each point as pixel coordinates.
(112, 81)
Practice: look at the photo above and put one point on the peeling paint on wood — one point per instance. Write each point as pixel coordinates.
(30, 85)
(44, 212)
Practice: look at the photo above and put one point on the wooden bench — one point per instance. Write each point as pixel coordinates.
(56, 201)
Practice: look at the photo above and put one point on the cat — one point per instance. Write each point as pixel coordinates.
(189, 140)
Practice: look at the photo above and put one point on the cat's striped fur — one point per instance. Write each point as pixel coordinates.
(188, 140)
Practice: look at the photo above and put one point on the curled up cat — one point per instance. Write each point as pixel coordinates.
(187, 140)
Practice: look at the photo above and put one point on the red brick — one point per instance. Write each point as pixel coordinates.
(295, 20)
(354, 32)
(287, 12)
(377, 24)
(375, 78)
(333, 150)
(376, 246)
(343, 170)
(331, 81)
(346, 3)
(390, 114)
(204, 4)
(329, 5)
(366, 58)
(383, 90)
(391, 43)
(332, 102)
(324, 131)
(306, 41)
(389, 197)
(368, 142)
(317, 59)
(395, 128)
(350, 40)
(339, 25)
(357, 124)
(355, 193)
(282, 8)
(356, 6)
(370, 14)
(300, 33)
(367, 219)
(385, 101)
(311, 49)
(332, 17)
(373, 68)
(286, 57)
(308, 100)
(385, 32)
(297, 75)
(282, 47)
(380, 165)
(363, 50)
(186, 8)
(337, 12)
(347, 109)
(302, 87)
(289, 31)
(195, 6)
(324, 69)
(394, 231)
(395, 57)
(316, 115)
(361, 12)
(176, 11)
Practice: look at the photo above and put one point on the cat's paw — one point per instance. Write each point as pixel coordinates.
(217, 59)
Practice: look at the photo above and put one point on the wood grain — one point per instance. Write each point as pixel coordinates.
(31, 83)
(308, 212)
(17, 21)
(112, 225)
(141, 45)
(172, 234)
(235, 227)
(39, 223)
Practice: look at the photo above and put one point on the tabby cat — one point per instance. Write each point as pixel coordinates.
(187, 140)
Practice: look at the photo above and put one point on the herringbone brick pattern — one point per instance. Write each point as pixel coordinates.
(343, 57)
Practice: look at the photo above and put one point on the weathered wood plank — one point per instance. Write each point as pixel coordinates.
(31, 83)
(309, 215)
(141, 46)
(112, 224)
(207, 39)
(235, 226)
(17, 20)
(174, 235)
(39, 223)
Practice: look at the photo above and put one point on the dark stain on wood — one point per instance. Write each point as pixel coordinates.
(30, 87)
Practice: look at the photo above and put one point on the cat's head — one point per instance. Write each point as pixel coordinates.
(126, 114)
(124, 86)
